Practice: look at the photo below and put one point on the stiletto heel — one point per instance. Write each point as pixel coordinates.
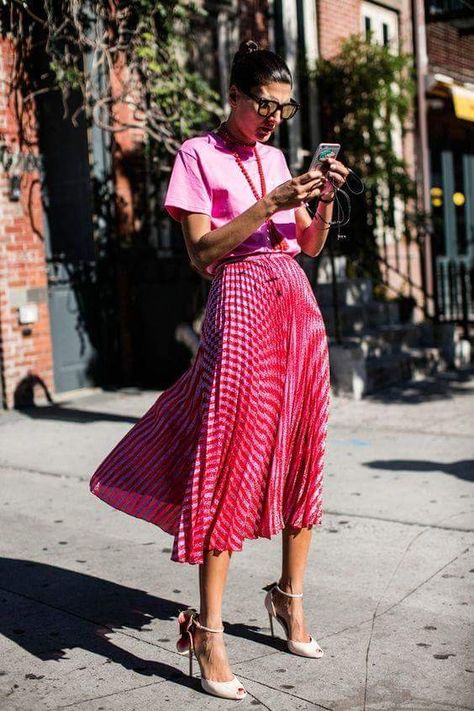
(188, 621)
(303, 649)
(271, 623)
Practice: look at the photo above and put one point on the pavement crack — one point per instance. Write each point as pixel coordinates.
(33, 470)
(403, 430)
(259, 701)
(395, 604)
(443, 706)
(282, 691)
(121, 691)
(466, 550)
(403, 523)
(253, 659)
(411, 592)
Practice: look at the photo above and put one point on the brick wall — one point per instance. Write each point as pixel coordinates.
(25, 350)
(336, 20)
(449, 52)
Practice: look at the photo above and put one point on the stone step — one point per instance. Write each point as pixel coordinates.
(425, 360)
(355, 372)
(356, 319)
(388, 338)
(350, 292)
(387, 369)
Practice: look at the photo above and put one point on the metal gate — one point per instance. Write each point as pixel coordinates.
(452, 197)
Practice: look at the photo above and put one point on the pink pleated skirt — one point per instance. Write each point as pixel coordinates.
(234, 449)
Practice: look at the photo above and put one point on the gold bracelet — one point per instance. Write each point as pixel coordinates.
(328, 224)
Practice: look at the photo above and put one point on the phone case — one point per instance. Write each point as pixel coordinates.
(322, 151)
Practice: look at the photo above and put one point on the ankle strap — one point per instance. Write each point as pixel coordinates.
(288, 594)
(208, 629)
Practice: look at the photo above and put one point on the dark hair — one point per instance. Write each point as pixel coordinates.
(252, 66)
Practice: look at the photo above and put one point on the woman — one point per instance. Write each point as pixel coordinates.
(234, 449)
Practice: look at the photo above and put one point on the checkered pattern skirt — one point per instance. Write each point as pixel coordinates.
(234, 449)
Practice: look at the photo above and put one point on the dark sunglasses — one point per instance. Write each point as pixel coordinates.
(268, 107)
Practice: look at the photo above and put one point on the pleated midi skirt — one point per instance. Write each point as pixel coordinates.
(234, 449)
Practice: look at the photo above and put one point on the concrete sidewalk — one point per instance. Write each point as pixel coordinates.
(89, 596)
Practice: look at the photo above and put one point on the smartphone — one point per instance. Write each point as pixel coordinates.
(323, 151)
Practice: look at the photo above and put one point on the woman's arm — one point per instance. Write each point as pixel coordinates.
(205, 246)
(312, 233)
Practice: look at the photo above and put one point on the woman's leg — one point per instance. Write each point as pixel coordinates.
(210, 646)
(295, 547)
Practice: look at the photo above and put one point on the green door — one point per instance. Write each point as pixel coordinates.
(452, 198)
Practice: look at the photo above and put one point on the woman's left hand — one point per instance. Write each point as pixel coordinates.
(336, 174)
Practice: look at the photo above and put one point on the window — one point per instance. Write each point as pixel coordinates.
(382, 22)
(368, 26)
(383, 25)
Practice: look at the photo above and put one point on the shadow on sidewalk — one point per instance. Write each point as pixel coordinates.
(71, 414)
(53, 609)
(440, 386)
(463, 469)
(25, 404)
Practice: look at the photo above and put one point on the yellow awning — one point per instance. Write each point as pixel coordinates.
(463, 100)
(462, 95)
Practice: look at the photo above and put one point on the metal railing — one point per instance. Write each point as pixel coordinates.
(455, 292)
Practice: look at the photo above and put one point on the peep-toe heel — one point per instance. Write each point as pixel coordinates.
(304, 649)
(188, 621)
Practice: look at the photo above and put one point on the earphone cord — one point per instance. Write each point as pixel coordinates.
(341, 217)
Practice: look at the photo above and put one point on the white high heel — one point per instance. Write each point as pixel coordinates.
(232, 689)
(304, 649)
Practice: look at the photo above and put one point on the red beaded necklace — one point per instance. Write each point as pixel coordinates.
(276, 238)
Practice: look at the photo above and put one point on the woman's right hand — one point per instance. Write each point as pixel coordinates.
(296, 191)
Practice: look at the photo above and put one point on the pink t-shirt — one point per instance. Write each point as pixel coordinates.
(207, 179)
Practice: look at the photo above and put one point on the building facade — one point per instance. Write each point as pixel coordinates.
(69, 320)
(26, 357)
(446, 75)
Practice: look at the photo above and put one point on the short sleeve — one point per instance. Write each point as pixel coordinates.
(188, 188)
(285, 171)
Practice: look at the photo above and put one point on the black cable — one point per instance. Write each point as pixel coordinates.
(342, 218)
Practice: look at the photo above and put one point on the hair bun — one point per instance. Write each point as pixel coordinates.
(246, 48)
